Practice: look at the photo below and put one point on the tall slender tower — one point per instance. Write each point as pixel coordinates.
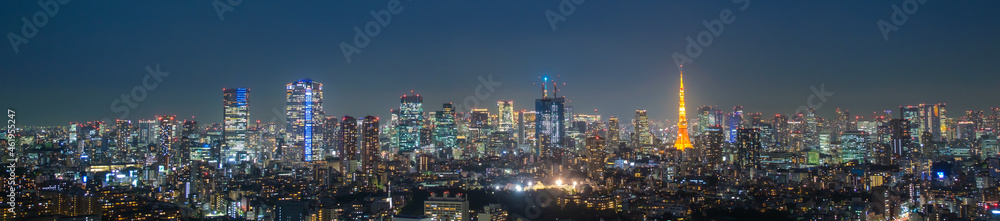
(683, 141)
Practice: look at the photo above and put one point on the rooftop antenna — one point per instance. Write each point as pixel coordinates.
(555, 89)
(545, 87)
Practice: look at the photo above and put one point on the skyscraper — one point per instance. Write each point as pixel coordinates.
(926, 118)
(854, 146)
(596, 147)
(683, 142)
(506, 111)
(711, 144)
(748, 148)
(237, 119)
(411, 121)
(528, 122)
(643, 134)
(445, 132)
(706, 119)
(550, 119)
(613, 132)
(331, 132)
(735, 122)
(304, 113)
(349, 141)
(370, 147)
(121, 141)
(166, 123)
(148, 131)
(900, 138)
(188, 141)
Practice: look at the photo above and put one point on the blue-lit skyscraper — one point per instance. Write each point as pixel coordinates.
(237, 120)
(735, 122)
(411, 121)
(304, 112)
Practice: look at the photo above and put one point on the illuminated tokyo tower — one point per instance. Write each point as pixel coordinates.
(683, 142)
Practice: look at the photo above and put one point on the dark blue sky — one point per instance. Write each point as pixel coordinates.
(613, 56)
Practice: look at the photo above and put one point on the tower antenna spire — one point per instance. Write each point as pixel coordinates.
(683, 142)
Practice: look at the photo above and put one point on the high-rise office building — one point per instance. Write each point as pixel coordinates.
(899, 143)
(166, 126)
(912, 114)
(331, 132)
(304, 113)
(528, 122)
(73, 131)
(188, 141)
(735, 122)
(926, 118)
(966, 130)
(854, 146)
(596, 147)
(643, 134)
(445, 131)
(708, 117)
(148, 131)
(411, 122)
(370, 146)
(988, 146)
(349, 142)
(121, 141)
(550, 119)
(479, 118)
(711, 144)
(506, 118)
(748, 147)
(479, 129)
(613, 132)
(682, 142)
(782, 131)
(236, 122)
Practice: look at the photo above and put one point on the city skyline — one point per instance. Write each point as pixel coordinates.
(845, 54)
(384, 110)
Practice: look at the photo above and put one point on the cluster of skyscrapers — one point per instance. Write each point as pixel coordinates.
(915, 163)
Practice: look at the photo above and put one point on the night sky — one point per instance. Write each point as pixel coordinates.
(613, 56)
